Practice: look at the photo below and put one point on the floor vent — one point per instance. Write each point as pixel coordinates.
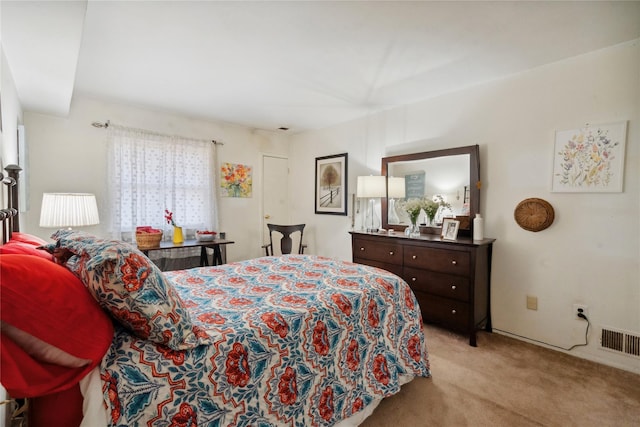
(620, 341)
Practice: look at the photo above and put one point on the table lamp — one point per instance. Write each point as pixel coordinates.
(371, 187)
(395, 190)
(60, 210)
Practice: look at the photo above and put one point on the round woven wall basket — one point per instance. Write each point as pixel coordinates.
(534, 214)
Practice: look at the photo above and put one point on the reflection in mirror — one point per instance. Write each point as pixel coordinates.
(451, 174)
(446, 177)
(396, 190)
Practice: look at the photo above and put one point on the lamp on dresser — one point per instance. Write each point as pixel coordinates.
(395, 190)
(66, 210)
(371, 187)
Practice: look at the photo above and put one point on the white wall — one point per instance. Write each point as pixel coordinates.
(68, 154)
(591, 253)
(11, 114)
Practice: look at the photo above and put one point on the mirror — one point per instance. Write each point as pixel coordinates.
(453, 174)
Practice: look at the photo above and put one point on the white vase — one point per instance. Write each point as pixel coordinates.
(478, 227)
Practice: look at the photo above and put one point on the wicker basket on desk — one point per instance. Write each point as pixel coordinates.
(148, 240)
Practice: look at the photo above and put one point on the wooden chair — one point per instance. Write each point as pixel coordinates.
(286, 242)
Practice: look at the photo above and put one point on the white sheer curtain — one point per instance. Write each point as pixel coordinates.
(150, 172)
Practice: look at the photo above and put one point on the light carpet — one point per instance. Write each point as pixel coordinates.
(508, 382)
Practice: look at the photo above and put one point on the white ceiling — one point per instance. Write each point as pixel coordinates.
(296, 64)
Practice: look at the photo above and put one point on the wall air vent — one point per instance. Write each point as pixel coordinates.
(620, 341)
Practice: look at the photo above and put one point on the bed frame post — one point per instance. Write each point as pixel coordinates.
(13, 171)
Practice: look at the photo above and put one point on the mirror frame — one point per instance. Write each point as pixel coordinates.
(474, 183)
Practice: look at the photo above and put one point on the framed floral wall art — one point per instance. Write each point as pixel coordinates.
(331, 184)
(236, 180)
(590, 160)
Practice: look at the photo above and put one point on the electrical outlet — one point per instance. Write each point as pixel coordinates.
(580, 308)
(532, 302)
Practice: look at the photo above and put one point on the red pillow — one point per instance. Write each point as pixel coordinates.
(48, 302)
(17, 236)
(17, 247)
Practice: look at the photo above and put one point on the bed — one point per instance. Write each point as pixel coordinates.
(295, 340)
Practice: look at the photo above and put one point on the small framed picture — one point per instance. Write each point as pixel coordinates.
(331, 184)
(450, 228)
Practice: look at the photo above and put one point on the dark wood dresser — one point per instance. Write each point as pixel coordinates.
(451, 279)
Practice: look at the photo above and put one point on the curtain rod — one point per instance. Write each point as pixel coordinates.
(108, 123)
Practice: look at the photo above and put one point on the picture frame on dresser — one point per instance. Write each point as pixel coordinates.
(331, 184)
(450, 228)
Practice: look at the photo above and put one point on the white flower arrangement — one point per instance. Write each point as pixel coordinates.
(412, 207)
(430, 207)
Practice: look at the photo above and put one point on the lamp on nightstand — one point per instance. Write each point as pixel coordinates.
(371, 187)
(61, 210)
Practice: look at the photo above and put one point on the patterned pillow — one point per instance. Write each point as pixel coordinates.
(132, 288)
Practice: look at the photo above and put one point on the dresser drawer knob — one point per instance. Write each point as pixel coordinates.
(453, 312)
(413, 279)
(390, 252)
(362, 249)
(454, 262)
(453, 287)
(414, 257)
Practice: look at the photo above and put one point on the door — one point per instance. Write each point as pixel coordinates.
(275, 193)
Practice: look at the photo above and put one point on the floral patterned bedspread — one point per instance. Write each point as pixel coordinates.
(298, 340)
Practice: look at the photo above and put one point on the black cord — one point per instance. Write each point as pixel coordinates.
(586, 335)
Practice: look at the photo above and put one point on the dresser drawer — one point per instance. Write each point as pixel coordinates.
(443, 311)
(381, 251)
(445, 285)
(393, 268)
(441, 260)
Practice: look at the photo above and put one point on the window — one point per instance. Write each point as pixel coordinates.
(149, 173)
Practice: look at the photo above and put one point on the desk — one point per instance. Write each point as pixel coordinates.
(204, 259)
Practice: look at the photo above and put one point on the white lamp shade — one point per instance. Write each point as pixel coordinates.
(396, 187)
(68, 210)
(371, 186)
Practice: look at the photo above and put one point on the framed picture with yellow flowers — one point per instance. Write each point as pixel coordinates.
(590, 159)
(331, 184)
